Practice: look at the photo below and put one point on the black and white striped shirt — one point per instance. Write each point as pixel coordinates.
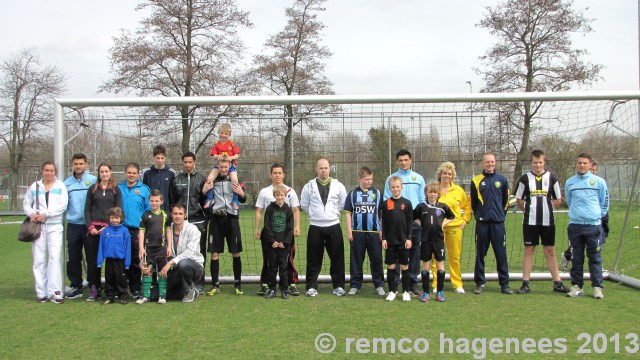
(537, 191)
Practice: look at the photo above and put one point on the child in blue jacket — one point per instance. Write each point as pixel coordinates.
(115, 250)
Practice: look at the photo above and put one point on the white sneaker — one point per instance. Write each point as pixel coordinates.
(406, 296)
(353, 291)
(312, 292)
(339, 292)
(391, 296)
(458, 290)
(597, 293)
(435, 290)
(142, 300)
(162, 301)
(575, 291)
(380, 291)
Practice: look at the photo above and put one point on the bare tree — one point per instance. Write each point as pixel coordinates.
(27, 89)
(183, 48)
(533, 53)
(293, 63)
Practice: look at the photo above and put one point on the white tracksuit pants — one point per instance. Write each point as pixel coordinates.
(47, 261)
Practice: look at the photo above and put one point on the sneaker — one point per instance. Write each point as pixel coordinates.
(200, 288)
(136, 295)
(93, 294)
(41, 300)
(597, 293)
(406, 296)
(263, 290)
(414, 292)
(506, 290)
(380, 291)
(142, 300)
(271, 294)
(293, 290)
(124, 299)
(312, 292)
(208, 203)
(524, 289)
(190, 296)
(575, 291)
(435, 290)
(560, 288)
(353, 291)
(284, 294)
(239, 290)
(458, 290)
(440, 297)
(214, 290)
(162, 301)
(57, 298)
(425, 297)
(479, 289)
(339, 291)
(391, 295)
(109, 301)
(74, 293)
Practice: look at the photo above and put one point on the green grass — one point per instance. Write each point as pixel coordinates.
(228, 326)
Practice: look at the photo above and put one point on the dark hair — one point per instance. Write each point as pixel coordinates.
(156, 192)
(116, 211)
(536, 154)
(133, 165)
(112, 182)
(79, 156)
(159, 150)
(403, 152)
(179, 206)
(585, 156)
(276, 165)
(48, 162)
(189, 154)
(364, 171)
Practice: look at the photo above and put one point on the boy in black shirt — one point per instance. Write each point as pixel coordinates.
(278, 235)
(433, 217)
(397, 219)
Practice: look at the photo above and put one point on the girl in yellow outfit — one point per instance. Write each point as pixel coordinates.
(458, 201)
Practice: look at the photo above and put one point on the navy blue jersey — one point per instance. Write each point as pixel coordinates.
(364, 207)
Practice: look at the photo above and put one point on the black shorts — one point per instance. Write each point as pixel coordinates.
(224, 227)
(156, 257)
(432, 249)
(531, 234)
(396, 254)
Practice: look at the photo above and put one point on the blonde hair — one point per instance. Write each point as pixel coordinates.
(447, 165)
(432, 187)
(279, 189)
(395, 178)
(225, 127)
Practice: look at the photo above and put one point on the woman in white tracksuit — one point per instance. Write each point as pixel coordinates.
(47, 250)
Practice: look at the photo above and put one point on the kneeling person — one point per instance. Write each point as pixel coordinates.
(433, 216)
(155, 245)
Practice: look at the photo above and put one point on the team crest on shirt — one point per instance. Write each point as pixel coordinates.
(438, 212)
(497, 184)
(87, 183)
(137, 192)
(402, 207)
(413, 178)
(592, 183)
(373, 196)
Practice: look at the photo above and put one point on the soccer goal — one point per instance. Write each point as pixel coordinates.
(356, 131)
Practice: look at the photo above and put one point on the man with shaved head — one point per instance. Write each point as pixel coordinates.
(323, 200)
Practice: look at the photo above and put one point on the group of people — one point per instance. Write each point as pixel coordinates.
(158, 231)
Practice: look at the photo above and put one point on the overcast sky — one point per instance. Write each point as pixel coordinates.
(379, 46)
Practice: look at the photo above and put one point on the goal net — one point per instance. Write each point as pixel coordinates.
(352, 132)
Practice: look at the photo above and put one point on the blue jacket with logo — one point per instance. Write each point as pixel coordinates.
(489, 197)
(588, 199)
(77, 190)
(115, 243)
(412, 186)
(135, 201)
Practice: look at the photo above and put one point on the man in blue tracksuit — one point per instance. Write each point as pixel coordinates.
(412, 189)
(77, 185)
(135, 201)
(489, 200)
(588, 200)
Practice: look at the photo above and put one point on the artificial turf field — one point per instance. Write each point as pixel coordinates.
(539, 325)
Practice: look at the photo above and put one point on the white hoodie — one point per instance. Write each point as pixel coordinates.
(320, 214)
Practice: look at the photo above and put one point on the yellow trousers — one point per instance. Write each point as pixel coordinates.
(453, 242)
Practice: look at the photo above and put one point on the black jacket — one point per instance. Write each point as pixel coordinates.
(187, 190)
